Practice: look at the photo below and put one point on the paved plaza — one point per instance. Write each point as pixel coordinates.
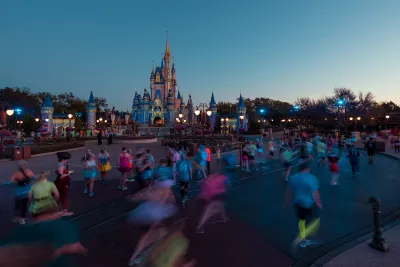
(261, 228)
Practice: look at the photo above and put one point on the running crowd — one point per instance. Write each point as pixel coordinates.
(47, 202)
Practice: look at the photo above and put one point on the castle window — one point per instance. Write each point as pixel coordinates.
(158, 77)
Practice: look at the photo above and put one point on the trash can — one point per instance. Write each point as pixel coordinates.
(16, 153)
(26, 152)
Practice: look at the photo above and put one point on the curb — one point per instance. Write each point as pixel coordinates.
(382, 153)
(340, 245)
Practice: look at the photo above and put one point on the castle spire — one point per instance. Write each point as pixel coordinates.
(167, 53)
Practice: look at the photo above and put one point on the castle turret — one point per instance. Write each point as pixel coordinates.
(178, 100)
(189, 107)
(213, 109)
(47, 111)
(91, 111)
(134, 108)
(241, 114)
(146, 107)
(170, 107)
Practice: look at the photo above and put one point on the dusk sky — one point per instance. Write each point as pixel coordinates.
(279, 49)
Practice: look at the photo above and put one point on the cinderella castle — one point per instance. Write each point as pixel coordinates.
(162, 103)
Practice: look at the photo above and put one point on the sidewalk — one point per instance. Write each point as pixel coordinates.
(363, 255)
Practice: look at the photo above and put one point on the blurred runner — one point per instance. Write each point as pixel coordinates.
(23, 178)
(304, 192)
(212, 195)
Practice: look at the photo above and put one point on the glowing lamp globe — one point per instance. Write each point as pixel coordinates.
(197, 112)
(209, 112)
(10, 112)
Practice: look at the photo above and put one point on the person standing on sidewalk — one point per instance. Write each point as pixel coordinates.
(303, 190)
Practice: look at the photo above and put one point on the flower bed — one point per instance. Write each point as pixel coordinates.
(46, 148)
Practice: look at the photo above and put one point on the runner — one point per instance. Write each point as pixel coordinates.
(184, 174)
(252, 155)
(245, 158)
(200, 159)
(43, 195)
(89, 174)
(286, 157)
(370, 146)
(158, 205)
(354, 157)
(271, 148)
(321, 150)
(304, 192)
(218, 153)
(333, 159)
(163, 172)
(48, 229)
(63, 181)
(123, 161)
(104, 164)
(23, 178)
(212, 195)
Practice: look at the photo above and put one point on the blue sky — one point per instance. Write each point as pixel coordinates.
(279, 49)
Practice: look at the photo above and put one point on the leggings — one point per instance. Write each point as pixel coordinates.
(184, 188)
(21, 206)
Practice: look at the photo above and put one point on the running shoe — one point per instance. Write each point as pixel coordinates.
(91, 194)
(124, 188)
(85, 191)
(304, 243)
(67, 213)
(21, 221)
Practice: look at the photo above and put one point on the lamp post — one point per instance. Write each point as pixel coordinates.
(241, 117)
(70, 119)
(203, 107)
(340, 104)
(180, 120)
(386, 118)
(358, 119)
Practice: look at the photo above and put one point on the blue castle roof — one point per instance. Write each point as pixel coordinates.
(212, 102)
(179, 95)
(47, 102)
(91, 98)
(241, 102)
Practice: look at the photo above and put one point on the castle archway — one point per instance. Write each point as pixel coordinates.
(158, 121)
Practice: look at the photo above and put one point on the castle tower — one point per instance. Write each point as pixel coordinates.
(91, 111)
(170, 107)
(135, 108)
(47, 111)
(189, 107)
(146, 107)
(213, 109)
(241, 112)
(178, 100)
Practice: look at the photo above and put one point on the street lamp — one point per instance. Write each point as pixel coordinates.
(387, 117)
(10, 112)
(209, 113)
(351, 118)
(197, 112)
(70, 118)
(37, 119)
(340, 103)
(47, 120)
(180, 115)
